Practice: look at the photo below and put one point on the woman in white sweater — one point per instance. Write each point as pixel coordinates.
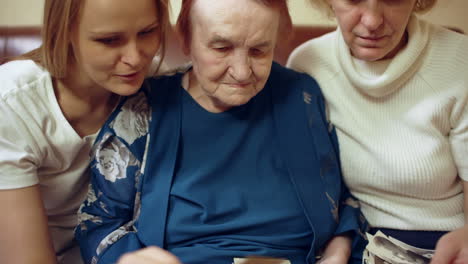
(397, 92)
(53, 101)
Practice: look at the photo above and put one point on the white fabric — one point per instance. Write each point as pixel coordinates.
(402, 124)
(39, 146)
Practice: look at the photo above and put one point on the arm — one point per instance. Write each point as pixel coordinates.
(107, 218)
(453, 247)
(465, 205)
(23, 227)
(24, 234)
(349, 241)
(106, 221)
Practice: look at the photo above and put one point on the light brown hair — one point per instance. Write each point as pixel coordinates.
(60, 16)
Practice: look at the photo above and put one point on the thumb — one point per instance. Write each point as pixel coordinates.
(446, 250)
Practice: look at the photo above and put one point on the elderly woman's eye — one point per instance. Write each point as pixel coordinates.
(222, 48)
(256, 52)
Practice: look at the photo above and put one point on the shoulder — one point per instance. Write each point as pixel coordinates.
(443, 45)
(316, 57)
(447, 45)
(124, 135)
(282, 77)
(446, 57)
(166, 81)
(315, 44)
(311, 51)
(18, 74)
(26, 90)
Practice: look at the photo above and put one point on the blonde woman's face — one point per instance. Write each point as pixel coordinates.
(114, 44)
(373, 29)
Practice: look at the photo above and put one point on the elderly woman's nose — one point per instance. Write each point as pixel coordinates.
(372, 16)
(240, 68)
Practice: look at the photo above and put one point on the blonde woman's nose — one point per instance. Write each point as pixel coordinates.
(131, 54)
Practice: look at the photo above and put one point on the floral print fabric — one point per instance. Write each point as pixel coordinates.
(116, 168)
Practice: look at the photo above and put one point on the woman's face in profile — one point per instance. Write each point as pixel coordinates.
(232, 46)
(114, 43)
(373, 29)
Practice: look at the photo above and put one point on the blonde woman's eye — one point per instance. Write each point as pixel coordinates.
(353, 2)
(147, 32)
(107, 41)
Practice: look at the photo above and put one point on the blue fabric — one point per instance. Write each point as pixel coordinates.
(235, 154)
(125, 213)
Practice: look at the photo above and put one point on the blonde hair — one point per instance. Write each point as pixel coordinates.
(60, 16)
(421, 6)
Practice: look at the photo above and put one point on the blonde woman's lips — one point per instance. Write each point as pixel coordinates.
(129, 76)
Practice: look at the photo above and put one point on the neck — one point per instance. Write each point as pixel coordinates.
(78, 88)
(399, 69)
(86, 108)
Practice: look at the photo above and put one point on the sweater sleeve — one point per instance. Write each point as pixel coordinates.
(452, 56)
(459, 140)
(109, 216)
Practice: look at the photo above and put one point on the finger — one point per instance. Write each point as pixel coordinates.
(149, 255)
(160, 254)
(462, 257)
(446, 250)
(134, 258)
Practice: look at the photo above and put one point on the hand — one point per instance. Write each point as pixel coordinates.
(149, 255)
(337, 251)
(334, 259)
(452, 248)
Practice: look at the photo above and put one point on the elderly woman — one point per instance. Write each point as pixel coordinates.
(397, 92)
(53, 101)
(230, 158)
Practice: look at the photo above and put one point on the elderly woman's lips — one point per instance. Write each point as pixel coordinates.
(239, 85)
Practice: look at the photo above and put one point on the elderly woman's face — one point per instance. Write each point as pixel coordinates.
(373, 29)
(231, 49)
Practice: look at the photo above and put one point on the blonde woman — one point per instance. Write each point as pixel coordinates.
(53, 101)
(397, 92)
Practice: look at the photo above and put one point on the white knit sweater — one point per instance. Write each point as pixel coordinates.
(402, 124)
